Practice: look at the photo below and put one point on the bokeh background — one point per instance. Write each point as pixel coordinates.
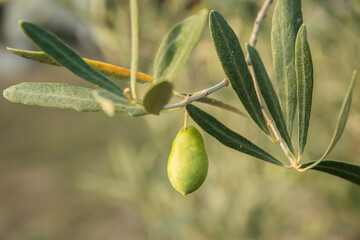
(71, 175)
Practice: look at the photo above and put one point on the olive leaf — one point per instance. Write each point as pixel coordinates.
(233, 62)
(228, 137)
(269, 95)
(341, 123)
(343, 116)
(177, 46)
(341, 169)
(62, 95)
(173, 53)
(304, 78)
(107, 69)
(287, 19)
(64, 55)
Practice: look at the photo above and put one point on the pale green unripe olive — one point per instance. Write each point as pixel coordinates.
(188, 162)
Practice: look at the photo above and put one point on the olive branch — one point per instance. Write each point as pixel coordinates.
(272, 111)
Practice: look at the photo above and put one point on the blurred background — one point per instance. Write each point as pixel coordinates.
(71, 175)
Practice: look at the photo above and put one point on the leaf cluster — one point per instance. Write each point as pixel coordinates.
(273, 110)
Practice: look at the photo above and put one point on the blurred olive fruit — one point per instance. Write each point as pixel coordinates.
(188, 162)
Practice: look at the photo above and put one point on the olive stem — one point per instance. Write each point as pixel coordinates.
(134, 14)
(213, 102)
(186, 120)
(270, 122)
(257, 25)
(198, 95)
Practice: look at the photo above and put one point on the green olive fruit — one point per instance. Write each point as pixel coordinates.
(188, 162)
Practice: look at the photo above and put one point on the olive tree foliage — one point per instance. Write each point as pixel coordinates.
(274, 111)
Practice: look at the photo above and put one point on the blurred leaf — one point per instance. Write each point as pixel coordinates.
(304, 76)
(173, 53)
(105, 68)
(287, 20)
(344, 170)
(233, 62)
(67, 57)
(343, 116)
(228, 137)
(61, 95)
(156, 96)
(269, 95)
(107, 105)
(177, 45)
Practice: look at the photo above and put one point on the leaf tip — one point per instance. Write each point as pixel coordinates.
(302, 29)
(26, 27)
(353, 79)
(7, 93)
(354, 74)
(13, 51)
(212, 11)
(213, 15)
(22, 24)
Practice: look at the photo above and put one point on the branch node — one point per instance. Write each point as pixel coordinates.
(186, 100)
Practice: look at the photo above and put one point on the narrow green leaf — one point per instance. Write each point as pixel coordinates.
(173, 53)
(269, 95)
(233, 62)
(304, 77)
(37, 56)
(287, 19)
(107, 69)
(61, 95)
(347, 171)
(342, 119)
(343, 116)
(67, 57)
(228, 137)
(177, 45)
